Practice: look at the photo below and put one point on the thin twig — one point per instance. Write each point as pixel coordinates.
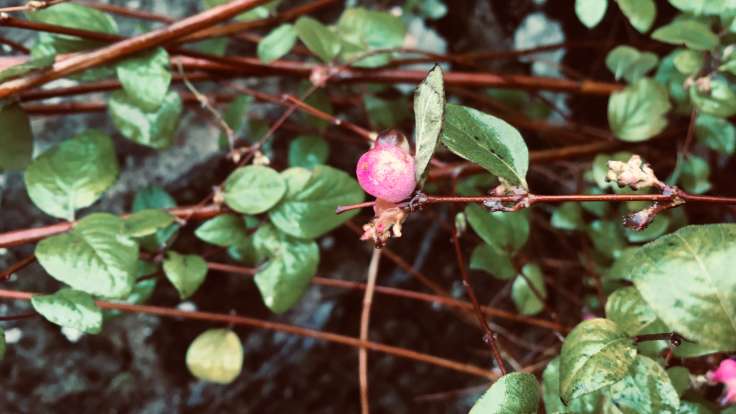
(20, 264)
(365, 318)
(31, 5)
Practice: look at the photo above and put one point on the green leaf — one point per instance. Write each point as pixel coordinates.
(96, 256)
(429, 111)
(517, 392)
(487, 141)
(694, 174)
(673, 80)
(142, 291)
(704, 7)
(568, 216)
(77, 17)
(716, 133)
(236, 116)
(185, 272)
(72, 175)
(385, 114)
(216, 355)
(689, 62)
(16, 137)
(686, 277)
(308, 209)
(363, 30)
(155, 198)
(590, 12)
(689, 407)
(680, 379)
(646, 390)
(607, 237)
(690, 33)
(33, 63)
(641, 13)
(308, 151)
(638, 112)
(524, 297)
(154, 129)
(489, 259)
(629, 311)
(505, 231)
(253, 189)
(628, 63)
(319, 39)
(145, 78)
(596, 354)
(592, 403)
(431, 9)
(225, 230)
(277, 43)
(718, 100)
(71, 309)
(292, 264)
(146, 222)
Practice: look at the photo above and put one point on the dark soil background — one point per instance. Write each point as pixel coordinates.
(137, 364)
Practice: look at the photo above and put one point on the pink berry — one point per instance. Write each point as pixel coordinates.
(387, 170)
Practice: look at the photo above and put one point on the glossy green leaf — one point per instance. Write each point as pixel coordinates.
(592, 403)
(646, 390)
(689, 407)
(688, 32)
(253, 189)
(16, 137)
(716, 133)
(694, 174)
(155, 198)
(629, 311)
(71, 309)
(718, 100)
(319, 39)
(686, 277)
(638, 112)
(488, 141)
(72, 175)
(308, 151)
(590, 12)
(680, 379)
(363, 30)
(492, 261)
(568, 216)
(689, 62)
(429, 111)
(145, 78)
(308, 209)
(277, 43)
(96, 256)
(704, 7)
(641, 13)
(185, 272)
(626, 62)
(154, 129)
(505, 231)
(596, 354)
(74, 16)
(224, 230)
(146, 222)
(528, 300)
(216, 355)
(517, 392)
(292, 264)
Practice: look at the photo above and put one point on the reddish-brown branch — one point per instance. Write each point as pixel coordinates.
(14, 45)
(232, 319)
(20, 264)
(365, 317)
(127, 12)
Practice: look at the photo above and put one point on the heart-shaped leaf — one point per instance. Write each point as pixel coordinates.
(224, 230)
(253, 189)
(185, 272)
(641, 13)
(277, 43)
(216, 355)
(590, 12)
(319, 39)
(637, 113)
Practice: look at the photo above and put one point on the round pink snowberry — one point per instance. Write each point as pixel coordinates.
(387, 170)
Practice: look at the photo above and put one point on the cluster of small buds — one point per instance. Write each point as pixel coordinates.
(634, 173)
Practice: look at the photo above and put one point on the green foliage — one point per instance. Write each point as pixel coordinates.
(307, 210)
(717, 99)
(716, 133)
(71, 309)
(517, 392)
(277, 43)
(16, 137)
(625, 62)
(33, 63)
(253, 189)
(685, 277)
(506, 232)
(629, 311)
(72, 175)
(154, 129)
(492, 261)
(596, 354)
(146, 222)
(641, 13)
(291, 265)
(646, 390)
(383, 113)
(236, 116)
(185, 272)
(488, 141)
(155, 198)
(590, 12)
(431, 9)
(689, 62)
(308, 151)
(95, 256)
(77, 17)
(592, 403)
(429, 112)
(688, 32)
(529, 299)
(694, 174)
(318, 38)
(216, 355)
(680, 379)
(224, 230)
(145, 78)
(568, 216)
(703, 7)
(361, 31)
(637, 113)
